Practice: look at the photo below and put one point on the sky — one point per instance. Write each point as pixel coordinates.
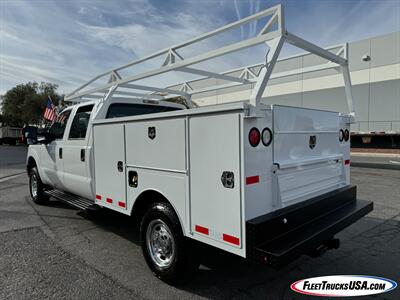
(70, 41)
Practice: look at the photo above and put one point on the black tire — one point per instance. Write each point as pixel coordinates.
(39, 196)
(184, 262)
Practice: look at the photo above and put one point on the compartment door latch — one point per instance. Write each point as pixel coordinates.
(228, 179)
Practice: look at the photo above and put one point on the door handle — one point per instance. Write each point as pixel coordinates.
(120, 166)
(82, 154)
(60, 153)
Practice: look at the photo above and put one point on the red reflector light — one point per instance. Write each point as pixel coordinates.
(201, 229)
(109, 200)
(347, 162)
(231, 239)
(98, 197)
(252, 179)
(122, 204)
(254, 137)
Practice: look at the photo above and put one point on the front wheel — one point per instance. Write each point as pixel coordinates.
(36, 187)
(167, 252)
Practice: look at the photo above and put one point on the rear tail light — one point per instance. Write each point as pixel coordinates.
(341, 135)
(346, 135)
(266, 136)
(254, 137)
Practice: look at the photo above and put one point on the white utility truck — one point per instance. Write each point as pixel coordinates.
(265, 182)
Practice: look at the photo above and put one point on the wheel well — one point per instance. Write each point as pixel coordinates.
(31, 164)
(145, 200)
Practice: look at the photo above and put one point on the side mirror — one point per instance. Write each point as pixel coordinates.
(30, 135)
(48, 137)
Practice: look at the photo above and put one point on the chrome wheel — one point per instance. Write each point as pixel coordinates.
(34, 186)
(160, 243)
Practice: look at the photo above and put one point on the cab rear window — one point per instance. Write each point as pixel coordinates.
(118, 110)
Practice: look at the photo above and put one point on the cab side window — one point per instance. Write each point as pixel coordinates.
(58, 127)
(80, 122)
(118, 110)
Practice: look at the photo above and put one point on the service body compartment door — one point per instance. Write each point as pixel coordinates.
(157, 145)
(216, 209)
(109, 165)
(307, 152)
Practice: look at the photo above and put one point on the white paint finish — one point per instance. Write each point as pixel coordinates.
(208, 141)
(296, 119)
(290, 148)
(304, 171)
(109, 148)
(304, 182)
(257, 161)
(76, 179)
(165, 151)
(171, 185)
(214, 148)
(51, 165)
(219, 108)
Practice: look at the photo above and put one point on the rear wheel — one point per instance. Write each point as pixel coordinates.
(36, 187)
(167, 252)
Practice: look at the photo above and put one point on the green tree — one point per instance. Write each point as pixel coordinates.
(24, 104)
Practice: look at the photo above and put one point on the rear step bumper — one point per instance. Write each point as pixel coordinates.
(279, 237)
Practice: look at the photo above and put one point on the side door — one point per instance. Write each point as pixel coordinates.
(76, 154)
(51, 155)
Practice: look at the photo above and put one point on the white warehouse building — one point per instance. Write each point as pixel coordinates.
(375, 74)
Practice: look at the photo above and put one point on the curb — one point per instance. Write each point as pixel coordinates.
(12, 175)
(375, 165)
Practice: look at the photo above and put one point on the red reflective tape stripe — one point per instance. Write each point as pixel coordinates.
(109, 200)
(252, 179)
(231, 239)
(201, 229)
(347, 162)
(98, 197)
(122, 204)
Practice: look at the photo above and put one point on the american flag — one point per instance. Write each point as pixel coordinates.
(50, 111)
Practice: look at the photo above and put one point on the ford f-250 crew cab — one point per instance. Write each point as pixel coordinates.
(265, 182)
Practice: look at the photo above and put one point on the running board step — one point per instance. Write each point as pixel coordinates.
(73, 200)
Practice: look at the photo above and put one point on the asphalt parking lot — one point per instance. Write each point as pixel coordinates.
(55, 251)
